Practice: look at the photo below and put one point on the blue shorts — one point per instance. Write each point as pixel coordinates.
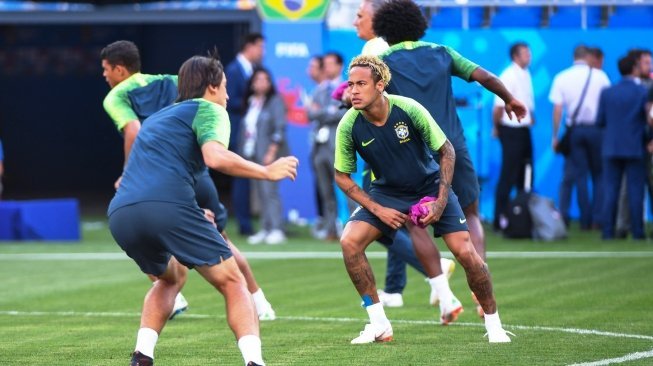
(207, 197)
(465, 180)
(452, 220)
(150, 232)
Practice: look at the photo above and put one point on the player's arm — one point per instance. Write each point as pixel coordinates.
(118, 107)
(218, 157)
(470, 71)
(492, 83)
(129, 132)
(212, 127)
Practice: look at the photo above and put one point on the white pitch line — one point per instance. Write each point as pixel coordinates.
(320, 255)
(331, 319)
(626, 358)
(609, 361)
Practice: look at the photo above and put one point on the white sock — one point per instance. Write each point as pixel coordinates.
(146, 340)
(492, 320)
(260, 301)
(377, 315)
(250, 348)
(441, 285)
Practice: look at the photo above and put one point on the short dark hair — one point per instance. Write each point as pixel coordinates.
(336, 55)
(250, 38)
(399, 20)
(639, 52)
(596, 52)
(581, 51)
(627, 64)
(320, 61)
(123, 53)
(196, 74)
(514, 49)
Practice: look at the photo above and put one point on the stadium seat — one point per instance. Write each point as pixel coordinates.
(631, 17)
(572, 17)
(517, 17)
(452, 17)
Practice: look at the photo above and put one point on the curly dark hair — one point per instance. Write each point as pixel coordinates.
(398, 21)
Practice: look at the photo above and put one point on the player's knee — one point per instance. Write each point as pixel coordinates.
(349, 244)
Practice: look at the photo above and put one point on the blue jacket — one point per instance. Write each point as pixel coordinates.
(236, 88)
(622, 114)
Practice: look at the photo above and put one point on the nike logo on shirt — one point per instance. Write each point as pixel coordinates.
(365, 143)
(462, 221)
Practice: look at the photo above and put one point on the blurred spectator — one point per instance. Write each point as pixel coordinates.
(643, 58)
(315, 71)
(238, 73)
(576, 90)
(622, 112)
(363, 23)
(595, 57)
(514, 135)
(325, 113)
(263, 140)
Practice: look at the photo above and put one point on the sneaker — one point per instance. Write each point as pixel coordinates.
(252, 363)
(257, 238)
(370, 335)
(479, 308)
(275, 237)
(448, 266)
(449, 312)
(395, 300)
(498, 335)
(139, 359)
(267, 313)
(181, 305)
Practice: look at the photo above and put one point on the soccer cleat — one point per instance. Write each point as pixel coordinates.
(252, 363)
(479, 308)
(181, 305)
(395, 300)
(139, 359)
(498, 335)
(267, 313)
(370, 335)
(448, 266)
(257, 238)
(449, 312)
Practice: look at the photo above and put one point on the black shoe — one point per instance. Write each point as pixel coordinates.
(139, 359)
(251, 363)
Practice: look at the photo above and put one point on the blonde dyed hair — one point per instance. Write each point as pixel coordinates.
(380, 70)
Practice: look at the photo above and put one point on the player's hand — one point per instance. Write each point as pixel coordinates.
(391, 217)
(281, 168)
(116, 184)
(436, 208)
(210, 216)
(516, 107)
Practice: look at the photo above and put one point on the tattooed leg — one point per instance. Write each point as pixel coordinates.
(478, 275)
(355, 239)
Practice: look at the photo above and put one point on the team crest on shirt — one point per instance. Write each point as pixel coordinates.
(402, 132)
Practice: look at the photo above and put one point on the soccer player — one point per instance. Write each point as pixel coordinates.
(154, 216)
(395, 136)
(400, 251)
(134, 96)
(423, 71)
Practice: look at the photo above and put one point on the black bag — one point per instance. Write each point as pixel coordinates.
(564, 144)
(518, 215)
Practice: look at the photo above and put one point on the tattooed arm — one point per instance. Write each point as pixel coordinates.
(389, 216)
(447, 161)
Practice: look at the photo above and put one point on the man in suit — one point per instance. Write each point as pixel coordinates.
(325, 112)
(622, 114)
(238, 73)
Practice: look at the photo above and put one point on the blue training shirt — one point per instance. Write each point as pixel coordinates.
(166, 159)
(423, 71)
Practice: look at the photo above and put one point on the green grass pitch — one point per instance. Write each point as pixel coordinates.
(579, 301)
